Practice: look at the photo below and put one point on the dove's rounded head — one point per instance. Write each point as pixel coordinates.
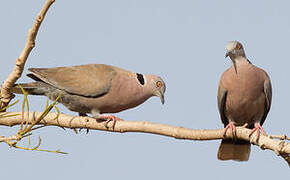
(234, 49)
(157, 86)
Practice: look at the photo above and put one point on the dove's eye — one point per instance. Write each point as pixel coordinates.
(159, 84)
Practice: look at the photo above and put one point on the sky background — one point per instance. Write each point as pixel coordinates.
(183, 42)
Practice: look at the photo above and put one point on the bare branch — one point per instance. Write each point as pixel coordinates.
(6, 96)
(280, 147)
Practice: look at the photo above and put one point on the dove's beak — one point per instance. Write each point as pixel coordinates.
(160, 95)
(162, 98)
(227, 54)
(234, 62)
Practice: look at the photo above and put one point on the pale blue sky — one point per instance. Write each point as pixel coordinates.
(183, 42)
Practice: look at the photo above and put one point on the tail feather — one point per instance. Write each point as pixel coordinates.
(32, 88)
(238, 150)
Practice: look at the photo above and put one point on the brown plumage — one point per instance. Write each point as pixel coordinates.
(94, 88)
(244, 96)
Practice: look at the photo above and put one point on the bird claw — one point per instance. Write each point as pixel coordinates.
(232, 127)
(109, 118)
(257, 128)
(87, 129)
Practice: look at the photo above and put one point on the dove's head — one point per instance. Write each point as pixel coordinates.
(157, 86)
(234, 50)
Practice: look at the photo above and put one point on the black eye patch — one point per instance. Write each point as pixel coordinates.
(140, 78)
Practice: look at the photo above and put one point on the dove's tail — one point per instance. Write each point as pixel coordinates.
(34, 88)
(238, 150)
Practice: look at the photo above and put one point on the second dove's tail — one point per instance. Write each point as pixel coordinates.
(238, 150)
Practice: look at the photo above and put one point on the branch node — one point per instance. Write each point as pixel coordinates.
(245, 125)
(263, 146)
(18, 62)
(284, 137)
(39, 18)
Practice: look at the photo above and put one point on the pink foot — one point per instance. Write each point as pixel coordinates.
(232, 127)
(258, 128)
(109, 118)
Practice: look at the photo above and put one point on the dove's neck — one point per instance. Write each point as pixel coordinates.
(239, 60)
(148, 86)
(238, 63)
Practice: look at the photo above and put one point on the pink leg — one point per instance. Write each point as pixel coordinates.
(232, 127)
(258, 128)
(110, 118)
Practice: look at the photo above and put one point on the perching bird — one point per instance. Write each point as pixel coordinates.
(94, 88)
(244, 96)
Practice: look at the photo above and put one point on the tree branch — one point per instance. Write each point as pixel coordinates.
(280, 147)
(6, 96)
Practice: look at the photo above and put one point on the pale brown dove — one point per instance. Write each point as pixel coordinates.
(94, 88)
(244, 96)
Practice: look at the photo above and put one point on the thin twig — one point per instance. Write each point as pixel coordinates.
(13, 140)
(5, 95)
(282, 137)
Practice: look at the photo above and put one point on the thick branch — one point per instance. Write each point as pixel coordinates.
(6, 96)
(280, 147)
